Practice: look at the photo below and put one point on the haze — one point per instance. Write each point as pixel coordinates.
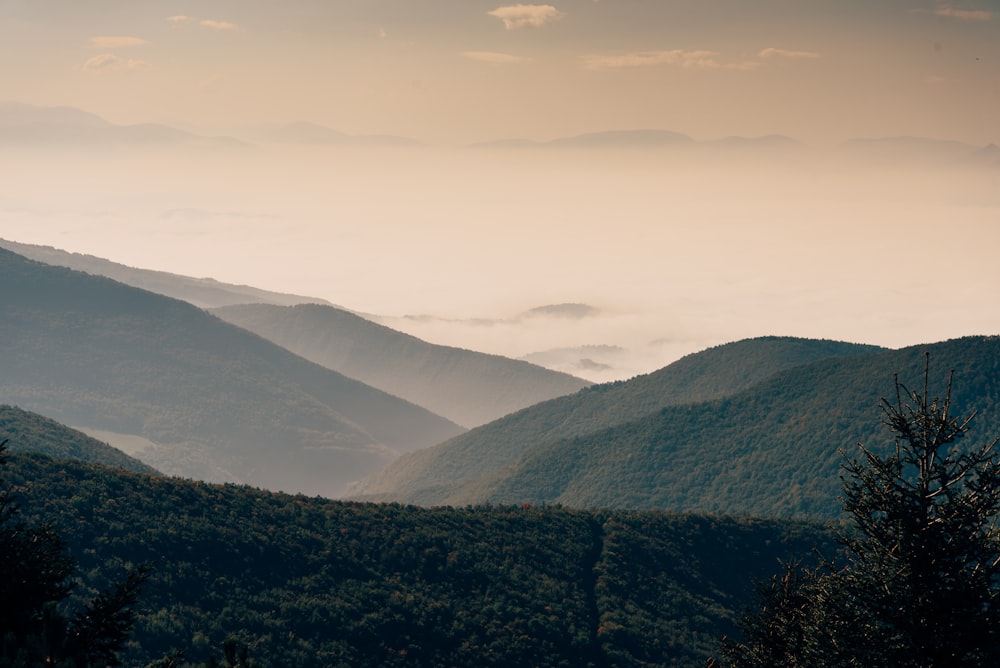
(671, 247)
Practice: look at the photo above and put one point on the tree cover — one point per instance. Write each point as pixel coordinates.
(768, 450)
(919, 585)
(455, 471)
(29, 432)
(303, 581)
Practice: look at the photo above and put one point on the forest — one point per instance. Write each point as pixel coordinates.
(302, 581)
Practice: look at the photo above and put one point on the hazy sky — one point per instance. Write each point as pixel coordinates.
(673, 251)
(473, 70)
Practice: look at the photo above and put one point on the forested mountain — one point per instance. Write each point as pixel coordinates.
(769, 450)
(312, 582)
(435, 475)
(218, 402)
(29, 432)
(466, 387)
(203, 292)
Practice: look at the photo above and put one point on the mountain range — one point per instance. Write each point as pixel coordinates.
(754, 427)
(23, 125)
(467, 387)
(211, 400)
(202, 292)
(26, 125)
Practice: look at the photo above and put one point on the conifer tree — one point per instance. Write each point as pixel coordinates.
(920, 580)
(35, 581)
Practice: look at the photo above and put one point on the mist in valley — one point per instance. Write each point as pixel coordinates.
(645, 253)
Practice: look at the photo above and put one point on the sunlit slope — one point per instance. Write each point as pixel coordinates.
(219, 402)
(31, 432)
(467, 387)
(435, 475)
(770, 450)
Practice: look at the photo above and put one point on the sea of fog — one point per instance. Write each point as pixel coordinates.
(642, 255)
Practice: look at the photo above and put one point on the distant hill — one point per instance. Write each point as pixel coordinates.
(218, 402)
(438, 475)
(203, 292)
(311, 582)
(769, 450)
(29, 432)
(25, 125)
(466, 387)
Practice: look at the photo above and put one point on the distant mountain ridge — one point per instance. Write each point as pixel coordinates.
(25, 125)
(219, 402)
(772, 449)
(467, 387)
(202, 292)
(440, 474)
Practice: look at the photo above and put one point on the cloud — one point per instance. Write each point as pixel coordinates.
(109, 61)
(493, 57)
(791, 55)
(526, 16)
(219, 25)
(962, 14)
(116, 42)
(675, 57)
(180, 18)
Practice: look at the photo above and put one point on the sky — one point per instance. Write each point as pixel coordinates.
(670, 250)
(459, 71)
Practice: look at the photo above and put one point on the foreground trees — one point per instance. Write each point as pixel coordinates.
(920, 584)
(35, 572)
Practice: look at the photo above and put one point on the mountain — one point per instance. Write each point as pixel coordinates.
(773, 449)
(311, 582)
(301, 132)
(24, 125)
(202, 292)
(466, 387)
(439, 474)
(29, 432)
(215, 401)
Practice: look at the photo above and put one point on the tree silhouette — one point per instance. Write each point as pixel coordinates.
(35, 573)
(920, 582)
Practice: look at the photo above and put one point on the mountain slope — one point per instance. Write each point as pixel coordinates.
(219, 402)
(29, 432)
(311, 582)
(771, 450)
(203, 292)
(466, 387)
(431, 476)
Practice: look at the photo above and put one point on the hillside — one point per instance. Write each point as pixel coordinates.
(466, 387)
(203, 292)
(29, 432)
(770, 450)
(311, 582)
(434, 475)
(216, 401)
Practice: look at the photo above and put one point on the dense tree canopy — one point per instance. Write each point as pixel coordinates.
(35, 579)
(921, 579)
